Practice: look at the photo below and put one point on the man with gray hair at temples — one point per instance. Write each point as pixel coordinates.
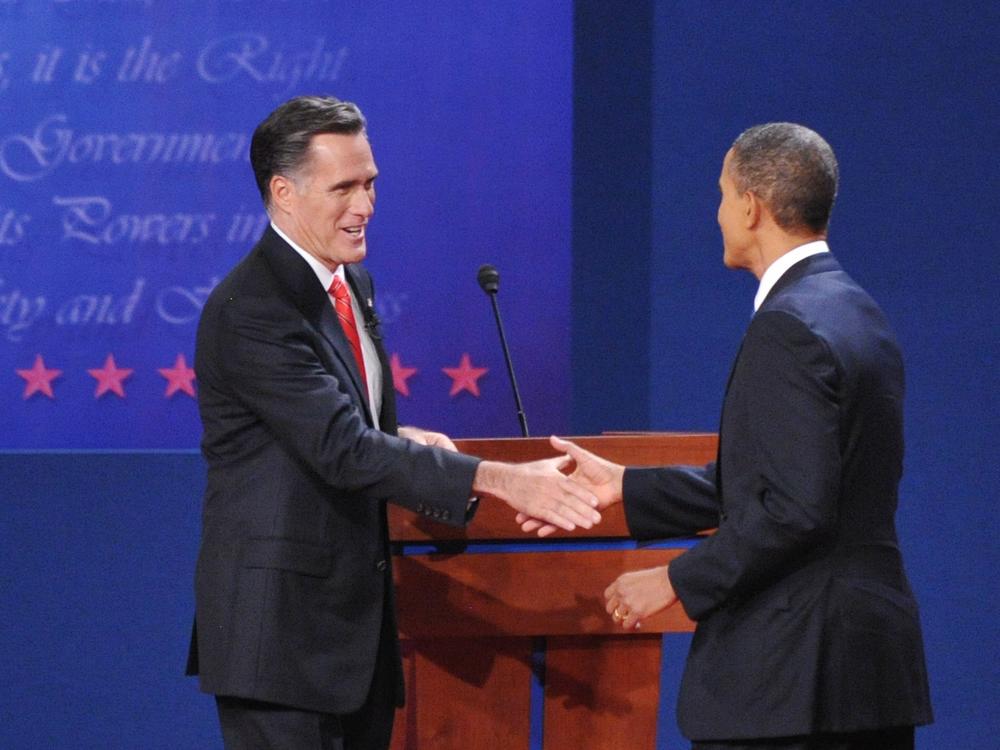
(295, 623)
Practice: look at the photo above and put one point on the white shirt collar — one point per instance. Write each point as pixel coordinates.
(324, 274)
(777, 269)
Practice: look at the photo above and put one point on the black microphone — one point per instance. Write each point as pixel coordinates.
(489, 280)
(372, 322)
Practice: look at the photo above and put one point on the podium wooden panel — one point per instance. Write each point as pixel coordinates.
(505, 639)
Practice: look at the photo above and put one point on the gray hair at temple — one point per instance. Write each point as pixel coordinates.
(792, 169)
(280, 144)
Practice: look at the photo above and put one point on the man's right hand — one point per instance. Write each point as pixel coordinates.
(600, 476)
(539, 490)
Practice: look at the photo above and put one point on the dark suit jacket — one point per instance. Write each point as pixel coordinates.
(293, 582)
(805, 619)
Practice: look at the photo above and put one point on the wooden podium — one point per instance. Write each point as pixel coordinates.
(506, 643)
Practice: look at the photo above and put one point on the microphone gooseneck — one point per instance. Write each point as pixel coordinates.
(489, 281)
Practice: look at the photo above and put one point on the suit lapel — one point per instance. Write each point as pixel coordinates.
(308, 295)
(329, 326)
(361, 286)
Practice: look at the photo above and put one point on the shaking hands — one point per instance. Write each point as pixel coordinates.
(540, 491)
(598, 476)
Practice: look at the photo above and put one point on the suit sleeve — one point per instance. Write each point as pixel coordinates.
(266, 358)
(791, 426)
(672, 501)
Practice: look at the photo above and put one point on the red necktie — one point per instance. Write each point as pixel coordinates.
(342, 304)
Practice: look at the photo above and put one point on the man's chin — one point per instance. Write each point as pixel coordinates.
(355, 254)
(733, 262)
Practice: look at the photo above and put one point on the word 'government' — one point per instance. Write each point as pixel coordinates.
(54, 142)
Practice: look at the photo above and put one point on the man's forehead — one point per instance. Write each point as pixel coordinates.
(726, 162)
(340, 151)
(339, 142)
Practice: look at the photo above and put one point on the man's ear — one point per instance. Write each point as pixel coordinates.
(753, 209)
(282, 191)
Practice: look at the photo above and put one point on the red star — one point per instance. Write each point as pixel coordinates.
(400, 375)
(38, 379)
(110, 378)
(179, 377)
(464, 376)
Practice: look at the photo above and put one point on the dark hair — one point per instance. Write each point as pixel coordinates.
(792, 169)
(280, 144)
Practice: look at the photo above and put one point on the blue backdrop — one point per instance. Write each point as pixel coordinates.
(127, 194)
(906, 95)
(503, 135)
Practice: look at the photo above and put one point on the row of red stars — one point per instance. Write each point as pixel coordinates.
(180, 378)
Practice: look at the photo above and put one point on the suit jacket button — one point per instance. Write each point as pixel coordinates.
(381, 565)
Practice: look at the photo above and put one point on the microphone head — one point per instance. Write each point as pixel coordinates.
(489, 278)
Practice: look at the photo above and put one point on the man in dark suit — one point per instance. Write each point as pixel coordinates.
(807, 632)
(295, 625)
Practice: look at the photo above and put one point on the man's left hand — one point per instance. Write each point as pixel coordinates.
(637, 595)
(426, 437)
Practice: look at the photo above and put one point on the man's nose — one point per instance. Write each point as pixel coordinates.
(363, 203)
